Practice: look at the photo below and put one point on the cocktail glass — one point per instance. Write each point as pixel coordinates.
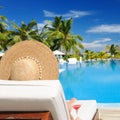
(76, 107)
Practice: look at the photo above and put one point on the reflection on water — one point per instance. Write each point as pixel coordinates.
(98, 80)
(113, 64)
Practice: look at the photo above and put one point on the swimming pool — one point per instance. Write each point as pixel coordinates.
(98, 80)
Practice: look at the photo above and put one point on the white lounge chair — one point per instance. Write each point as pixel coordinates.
(43, 95)
(72, 60)
(61, 61)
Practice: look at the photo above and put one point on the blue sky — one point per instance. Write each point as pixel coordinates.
(97, 21)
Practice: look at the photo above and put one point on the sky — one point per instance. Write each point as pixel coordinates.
(97, 21)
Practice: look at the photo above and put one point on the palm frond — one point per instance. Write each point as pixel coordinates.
(32, 25)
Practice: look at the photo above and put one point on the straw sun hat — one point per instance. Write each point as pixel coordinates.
(29, 60)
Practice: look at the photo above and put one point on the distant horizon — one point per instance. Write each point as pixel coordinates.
(97, 21)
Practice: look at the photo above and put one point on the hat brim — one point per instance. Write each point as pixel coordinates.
(32, 49)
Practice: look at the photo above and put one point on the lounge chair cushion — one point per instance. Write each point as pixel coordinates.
(34, 96)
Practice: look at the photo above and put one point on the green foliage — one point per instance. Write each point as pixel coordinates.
(26, 31)
(55, 34)
(58, 36)
(3, 24)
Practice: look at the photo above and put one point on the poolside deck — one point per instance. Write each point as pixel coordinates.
(109, 113)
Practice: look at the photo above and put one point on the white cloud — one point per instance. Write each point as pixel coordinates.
(113, 28)
(41, 25)
(71, 13)
(106, 39)
(49, 14)
(91, 45)
(97, 43)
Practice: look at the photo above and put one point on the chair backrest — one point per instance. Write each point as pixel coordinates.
(43, 95)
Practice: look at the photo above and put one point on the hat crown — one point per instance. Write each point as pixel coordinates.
(26, 68)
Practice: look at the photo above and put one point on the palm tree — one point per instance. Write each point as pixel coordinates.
(3, 24)
(103, 55)
(89, 55)
(52, 34)
(26, 32)
(70, 42)
(5, 36)
(59, 36)
(113, 50)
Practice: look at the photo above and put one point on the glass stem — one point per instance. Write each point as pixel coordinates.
(77, 113)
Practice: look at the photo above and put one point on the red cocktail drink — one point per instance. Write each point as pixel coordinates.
(76, 107)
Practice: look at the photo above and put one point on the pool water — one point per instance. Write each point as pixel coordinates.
(99, 80)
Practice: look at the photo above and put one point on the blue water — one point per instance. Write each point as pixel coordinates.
(98, 80)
